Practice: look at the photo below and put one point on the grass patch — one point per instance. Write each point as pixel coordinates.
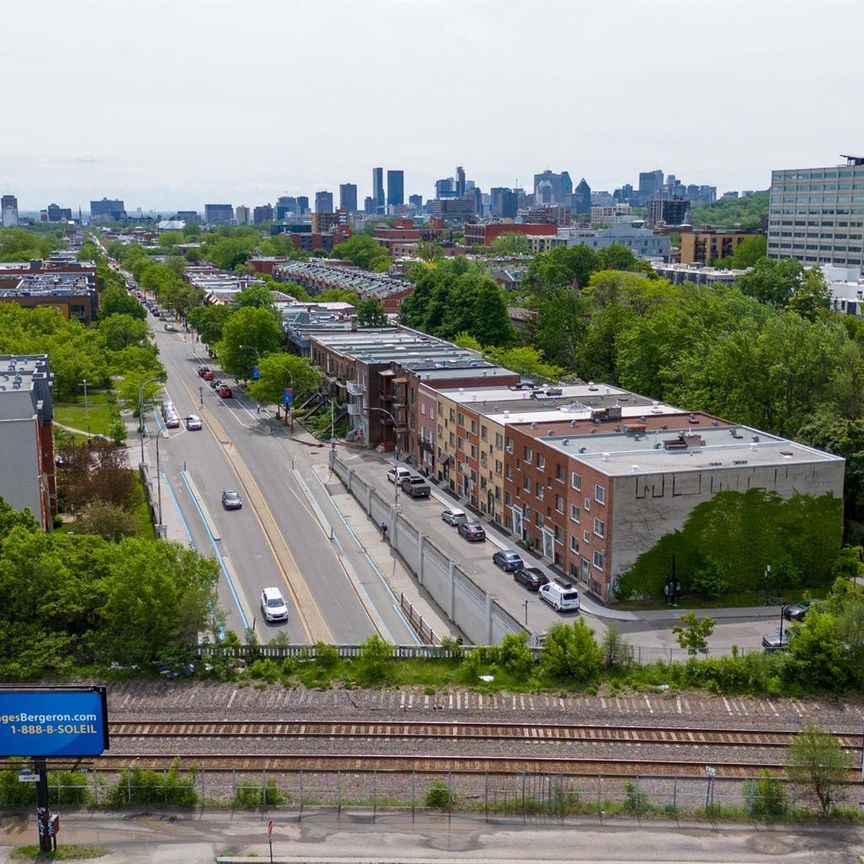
(100, 413)
(62, 853)
(141, 510)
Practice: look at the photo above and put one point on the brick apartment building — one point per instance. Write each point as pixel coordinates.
(485, 234)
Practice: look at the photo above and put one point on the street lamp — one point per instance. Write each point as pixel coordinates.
(84, 383)
(783, 605)
(395, 454)
(141, 410)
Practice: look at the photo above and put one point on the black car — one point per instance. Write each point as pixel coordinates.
(231, 500)
(531, 577)
(797, 611)
(472, 531)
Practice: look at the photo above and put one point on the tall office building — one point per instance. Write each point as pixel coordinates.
(262, 213)
(552, 188)
(416, 201)
(241, 214)
(503, 202)
(56, 213)
(368, 205)
(460, 181)
(581, 198)
(302, 205)
(445, 188)
(108, 210)
(286, 205)
(8, 211)
(215, 214)
(378, 189)
(395, 188)
(348, 197)
(817, 215)
(650, 184)
(323, 202)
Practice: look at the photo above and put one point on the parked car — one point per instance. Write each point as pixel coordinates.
(797, 611)
(193, 423)
(170, 328)
(273, 605)
(774, 642)
(560, 595)
(416, 486)
(531, 577)
(472, 531)
(225, 392)
(507, 559)
(397, 474)
(201, 370)
(454, 516)
(231, 499)
(216, 383)
(208, 375)
(172, 421)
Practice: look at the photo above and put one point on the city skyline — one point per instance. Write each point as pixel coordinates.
(178, 116)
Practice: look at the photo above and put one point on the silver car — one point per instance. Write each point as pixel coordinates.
(454, 516)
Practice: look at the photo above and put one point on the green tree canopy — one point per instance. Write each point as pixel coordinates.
(278, 371)
(208, 321)
(363, 251)
(370, 313)
(248, 335)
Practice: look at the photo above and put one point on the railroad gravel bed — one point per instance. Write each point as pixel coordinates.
(199, 700)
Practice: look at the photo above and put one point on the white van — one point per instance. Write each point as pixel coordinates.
(560, 595)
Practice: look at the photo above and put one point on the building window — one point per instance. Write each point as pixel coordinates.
(576, 481)
(559, 503)
(473, 427)
(539, 490)
(574, 513)
(498, 467)
(599, 559)
(586, 536)
(452, 416)
(509, 472)
(599, 528)
(574, 544)
(460, 419)
(423, 409)
(509, 445)
(599, 494)
(484, 433)
(460, 442)
(559, 472)
(528, 454)
(499, 440)
(587, 504)
(526, 484)
(541, 460)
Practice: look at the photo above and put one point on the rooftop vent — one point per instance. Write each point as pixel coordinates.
(583, 449)
(605, 457)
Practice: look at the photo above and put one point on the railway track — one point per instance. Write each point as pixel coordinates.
(361, 764)
(462, 731)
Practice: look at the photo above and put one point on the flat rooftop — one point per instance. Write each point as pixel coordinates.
(486, 395)
(617, 454)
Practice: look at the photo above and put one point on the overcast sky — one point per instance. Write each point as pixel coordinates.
(173, 104)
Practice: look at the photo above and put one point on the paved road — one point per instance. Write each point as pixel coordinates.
(137, 838)
(282, 536)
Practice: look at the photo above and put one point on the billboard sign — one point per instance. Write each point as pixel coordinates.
(52, 722)
(287, 396)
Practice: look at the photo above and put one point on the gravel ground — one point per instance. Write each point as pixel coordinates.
(198, 700)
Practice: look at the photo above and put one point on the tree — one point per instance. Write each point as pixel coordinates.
(511, 243)
(693, 636)
(526, 361)
(208, 321)
(571, 652)
(255, 296)
(744, 213)
(365, 252)
(561, 267)
(118, 301)
(370, 313)
(819, 766)
(490, 322)
(562, 322)
(427, 251)
(772, 282)
(278, 371)
(106, 520)
(811, 298)
(617, 257)
(122, 331)
(248, 335)
(747, 253)
(337, 295)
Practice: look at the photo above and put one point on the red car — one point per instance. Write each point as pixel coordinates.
(225, 392)
(208, 375)
(202, 371)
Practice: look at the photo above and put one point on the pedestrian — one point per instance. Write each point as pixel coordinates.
(384, 531)
(676, 593)
(667, 592)
(257, 407)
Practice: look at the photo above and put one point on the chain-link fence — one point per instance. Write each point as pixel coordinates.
(526, 795)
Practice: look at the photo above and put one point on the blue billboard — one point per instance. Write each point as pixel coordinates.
(53, 721)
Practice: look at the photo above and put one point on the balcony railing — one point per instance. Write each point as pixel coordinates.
(355, 389)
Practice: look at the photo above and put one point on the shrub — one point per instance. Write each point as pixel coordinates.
(766, 796)
(617, 651)
(514, 655)
(15, 795)
(636, 799)
(438, 795)
(326, 657)
(268, 670)
(570, 651)
(258, 795)
(144, 786)
(375, 655)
